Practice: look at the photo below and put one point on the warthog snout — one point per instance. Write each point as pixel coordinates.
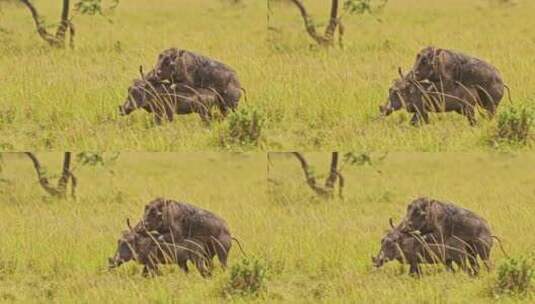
(114, 262)
(122, 112)
(125, 109)
(385, 109)
(378, 261)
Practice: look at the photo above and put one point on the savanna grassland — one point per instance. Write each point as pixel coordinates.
(313, 250)
(343, 234)
(56, 251)
(60, 99)
(335, 94)
(304, 97)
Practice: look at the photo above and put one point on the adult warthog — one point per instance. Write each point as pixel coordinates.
(447, 67)
(164, 100)
(186, 223)
(151, 249)
(414, 250)
(188, 68)
(444, 221)
(422, 97)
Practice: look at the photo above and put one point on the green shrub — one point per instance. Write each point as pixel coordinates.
(515, 276)
(515, 125)
(247, 278)
(244, 127)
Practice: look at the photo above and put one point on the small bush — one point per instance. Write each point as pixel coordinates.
(515, 276)
(247, 278)
(515, 125)
(244, 127)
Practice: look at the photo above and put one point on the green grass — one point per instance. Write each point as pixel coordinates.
(311, 98)
(315, 251)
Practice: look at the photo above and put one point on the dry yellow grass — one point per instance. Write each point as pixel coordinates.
(311, 98)
(316, 251)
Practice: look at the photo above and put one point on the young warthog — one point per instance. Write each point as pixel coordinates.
(186, 222)
(165, 100)
(197, 71)
(450, 67)
(415, 250)
(151, 249)
(421, 97)
(445, 221)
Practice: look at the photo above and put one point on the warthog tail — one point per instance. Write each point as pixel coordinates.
(500, 244)
(239, 245)
(508, 92)
(244, 93)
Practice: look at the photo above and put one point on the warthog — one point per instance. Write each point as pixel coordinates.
(165, 100)
(451, 67)
(151, 249)
(197, 71)
(414, 250)
(421, 97)
(445, 221)
(186, 222)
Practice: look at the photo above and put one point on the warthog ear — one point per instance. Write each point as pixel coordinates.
(141, 72)
(128, 224)
(391, 223)
(400, 72)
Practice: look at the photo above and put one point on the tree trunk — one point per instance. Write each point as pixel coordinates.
(57, 40)
(333, 173)
(326, 191)
(65, 174)
(61, 190)
(64, 24)
(328, 38)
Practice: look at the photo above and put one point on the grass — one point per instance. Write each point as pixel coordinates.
(331, 242)
(56, 251)
(314, 251)
(311, 99)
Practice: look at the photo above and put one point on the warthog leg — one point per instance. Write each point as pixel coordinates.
(415, 269)
(150, 270)
(418, 117)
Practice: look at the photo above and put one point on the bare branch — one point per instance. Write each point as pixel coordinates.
(333, 173)
(64, 22)
(309, 23)
(310, 178)
(39, 24)
(57, 40)
(43, 181)
(63, 182)
(333, 21)
(65, 174)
